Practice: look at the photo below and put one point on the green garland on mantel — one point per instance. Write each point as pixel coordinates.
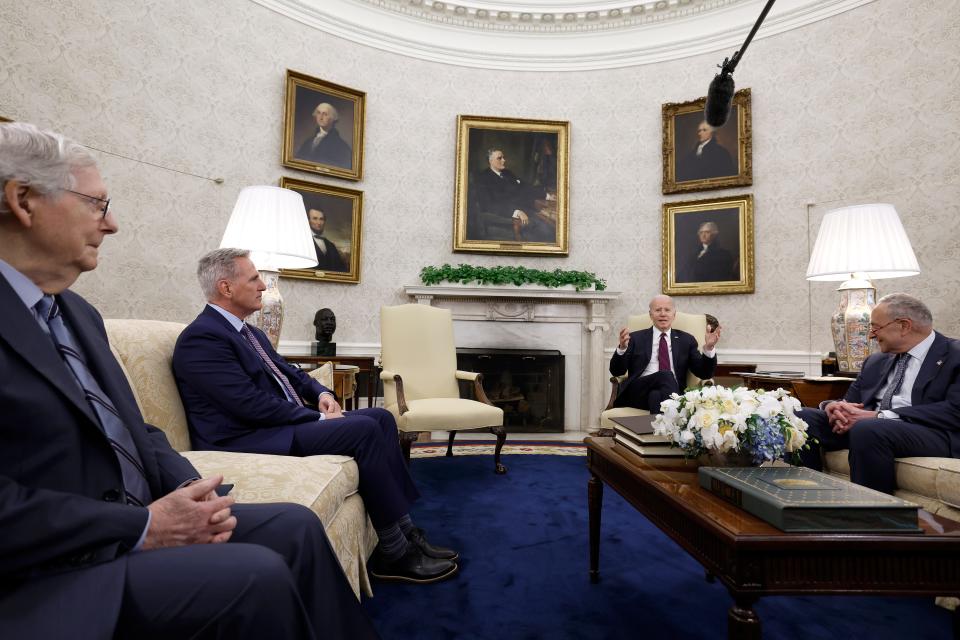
(465, 274)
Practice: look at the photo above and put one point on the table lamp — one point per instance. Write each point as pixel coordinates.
(272, 224)
(858, 244)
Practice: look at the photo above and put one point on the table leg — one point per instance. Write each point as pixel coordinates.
(743, 623)
(594, 502)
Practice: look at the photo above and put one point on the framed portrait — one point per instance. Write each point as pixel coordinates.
(697, 157)
(2, 119)
(335, 215)
(323, 127)
(511, 192)
(708, 246)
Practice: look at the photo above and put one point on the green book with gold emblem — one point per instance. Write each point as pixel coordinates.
(796, 499)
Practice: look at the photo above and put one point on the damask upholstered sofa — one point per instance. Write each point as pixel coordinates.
(326, 484)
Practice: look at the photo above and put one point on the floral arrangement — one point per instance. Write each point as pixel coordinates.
(714, 419)
(466, 273)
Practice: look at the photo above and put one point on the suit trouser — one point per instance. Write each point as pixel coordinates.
(278, 577)
(647, 392)
(874, 446)
(370, 437)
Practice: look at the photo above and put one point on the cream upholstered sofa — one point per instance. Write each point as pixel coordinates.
(326, 484)
(932, 483)
(693, 323)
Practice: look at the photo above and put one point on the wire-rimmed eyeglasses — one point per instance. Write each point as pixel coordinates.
(106, 203)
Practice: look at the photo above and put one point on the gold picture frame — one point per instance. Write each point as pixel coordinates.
(338, 152)
(522, 207)
(2, 119)
(699, 258)
(339, 213)
(726, 160)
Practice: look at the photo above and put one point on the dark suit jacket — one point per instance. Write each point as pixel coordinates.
(331, 260)
(936, 391)
(65, 531)
(331, 150)
(684, 348)
(504, 194)
(232, 400)
(716, 265)
(713, 162)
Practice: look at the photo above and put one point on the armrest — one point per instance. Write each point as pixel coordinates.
(477, 379)
(388, 377)
(615, 390)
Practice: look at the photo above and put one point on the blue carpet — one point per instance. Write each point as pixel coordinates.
(523, 570)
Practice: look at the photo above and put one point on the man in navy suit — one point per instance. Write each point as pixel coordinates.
(657, 359)
(905, 402)
(241, 395)
(106, 530)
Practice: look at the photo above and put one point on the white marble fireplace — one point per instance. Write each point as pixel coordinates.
(528, 317)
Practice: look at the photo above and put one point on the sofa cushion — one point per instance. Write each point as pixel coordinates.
(145, 350)
(323, 375)
(948, 481)
(319, 482)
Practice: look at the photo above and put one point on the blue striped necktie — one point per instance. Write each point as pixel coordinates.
(274, 369)
(134, 478)
(886, 401)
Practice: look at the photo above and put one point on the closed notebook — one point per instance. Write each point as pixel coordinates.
(638, 429)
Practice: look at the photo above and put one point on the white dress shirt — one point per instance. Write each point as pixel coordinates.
(903, 397)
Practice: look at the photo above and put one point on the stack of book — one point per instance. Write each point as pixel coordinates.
(636, 434)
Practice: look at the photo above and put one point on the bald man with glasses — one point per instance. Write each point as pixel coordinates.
(904, 403)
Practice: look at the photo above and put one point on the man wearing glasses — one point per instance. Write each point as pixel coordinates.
(106, 530)
(905, 402)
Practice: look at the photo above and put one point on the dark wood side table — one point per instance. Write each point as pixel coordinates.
(365, 364)
(753, 559)
(809, 390)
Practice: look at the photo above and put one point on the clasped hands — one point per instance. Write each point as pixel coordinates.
(193, 514)
(844, 415)
(329, 406)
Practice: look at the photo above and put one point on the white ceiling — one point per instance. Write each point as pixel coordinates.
(559, 35)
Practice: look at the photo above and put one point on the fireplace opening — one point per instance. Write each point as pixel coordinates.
(526, 383)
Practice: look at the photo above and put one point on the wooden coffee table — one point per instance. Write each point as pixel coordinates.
(752, 558)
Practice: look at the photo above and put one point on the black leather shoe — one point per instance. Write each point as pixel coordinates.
(412, 566)
(419, 538)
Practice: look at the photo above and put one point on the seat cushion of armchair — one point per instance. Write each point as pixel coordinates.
(933, 483)
(606, 421)
(445, 414)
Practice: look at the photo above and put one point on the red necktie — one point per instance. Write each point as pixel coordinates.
(663, 354)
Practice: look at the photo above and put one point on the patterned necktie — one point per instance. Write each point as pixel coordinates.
(902, 360)
(663, 353)
(134, 479)
(284, 381)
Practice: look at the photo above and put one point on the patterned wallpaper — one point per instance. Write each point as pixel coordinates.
(175, 95)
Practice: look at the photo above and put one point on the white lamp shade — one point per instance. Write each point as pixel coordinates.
(271, 223)
(865, 239)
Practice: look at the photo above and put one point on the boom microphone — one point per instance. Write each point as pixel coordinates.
(720, 94)
(719, 98)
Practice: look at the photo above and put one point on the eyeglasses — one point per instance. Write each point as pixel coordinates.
(106, 203)
(875, 330)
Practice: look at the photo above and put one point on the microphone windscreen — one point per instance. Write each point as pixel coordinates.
(719, 99)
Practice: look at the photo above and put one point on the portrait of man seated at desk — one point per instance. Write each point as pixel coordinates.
(519, 206)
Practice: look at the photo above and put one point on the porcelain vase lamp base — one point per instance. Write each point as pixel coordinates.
(270, 317)
(850, 323)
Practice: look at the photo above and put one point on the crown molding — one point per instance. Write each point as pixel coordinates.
(582, 35)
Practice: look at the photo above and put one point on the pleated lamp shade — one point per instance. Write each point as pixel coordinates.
(272, 224)
(865, 239)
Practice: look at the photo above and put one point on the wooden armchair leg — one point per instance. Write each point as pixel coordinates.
(501, 433)
(406, 439)
(453, 434)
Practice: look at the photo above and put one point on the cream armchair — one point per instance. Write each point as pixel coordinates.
(693, 323)
(420, 379)
(326, 484)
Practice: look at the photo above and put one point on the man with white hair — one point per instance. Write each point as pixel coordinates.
(708, 160)
(107, 531)
(326, 146)
(658, 359)
(904, 403)
(709, 261)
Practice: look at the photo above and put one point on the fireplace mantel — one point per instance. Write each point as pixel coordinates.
(542, 306)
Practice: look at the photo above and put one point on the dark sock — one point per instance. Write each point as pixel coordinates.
(405, 524)
(393, 542)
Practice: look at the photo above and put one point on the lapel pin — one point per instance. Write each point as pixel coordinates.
(939, 362)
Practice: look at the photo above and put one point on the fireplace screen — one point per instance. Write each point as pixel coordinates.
(526, 384)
